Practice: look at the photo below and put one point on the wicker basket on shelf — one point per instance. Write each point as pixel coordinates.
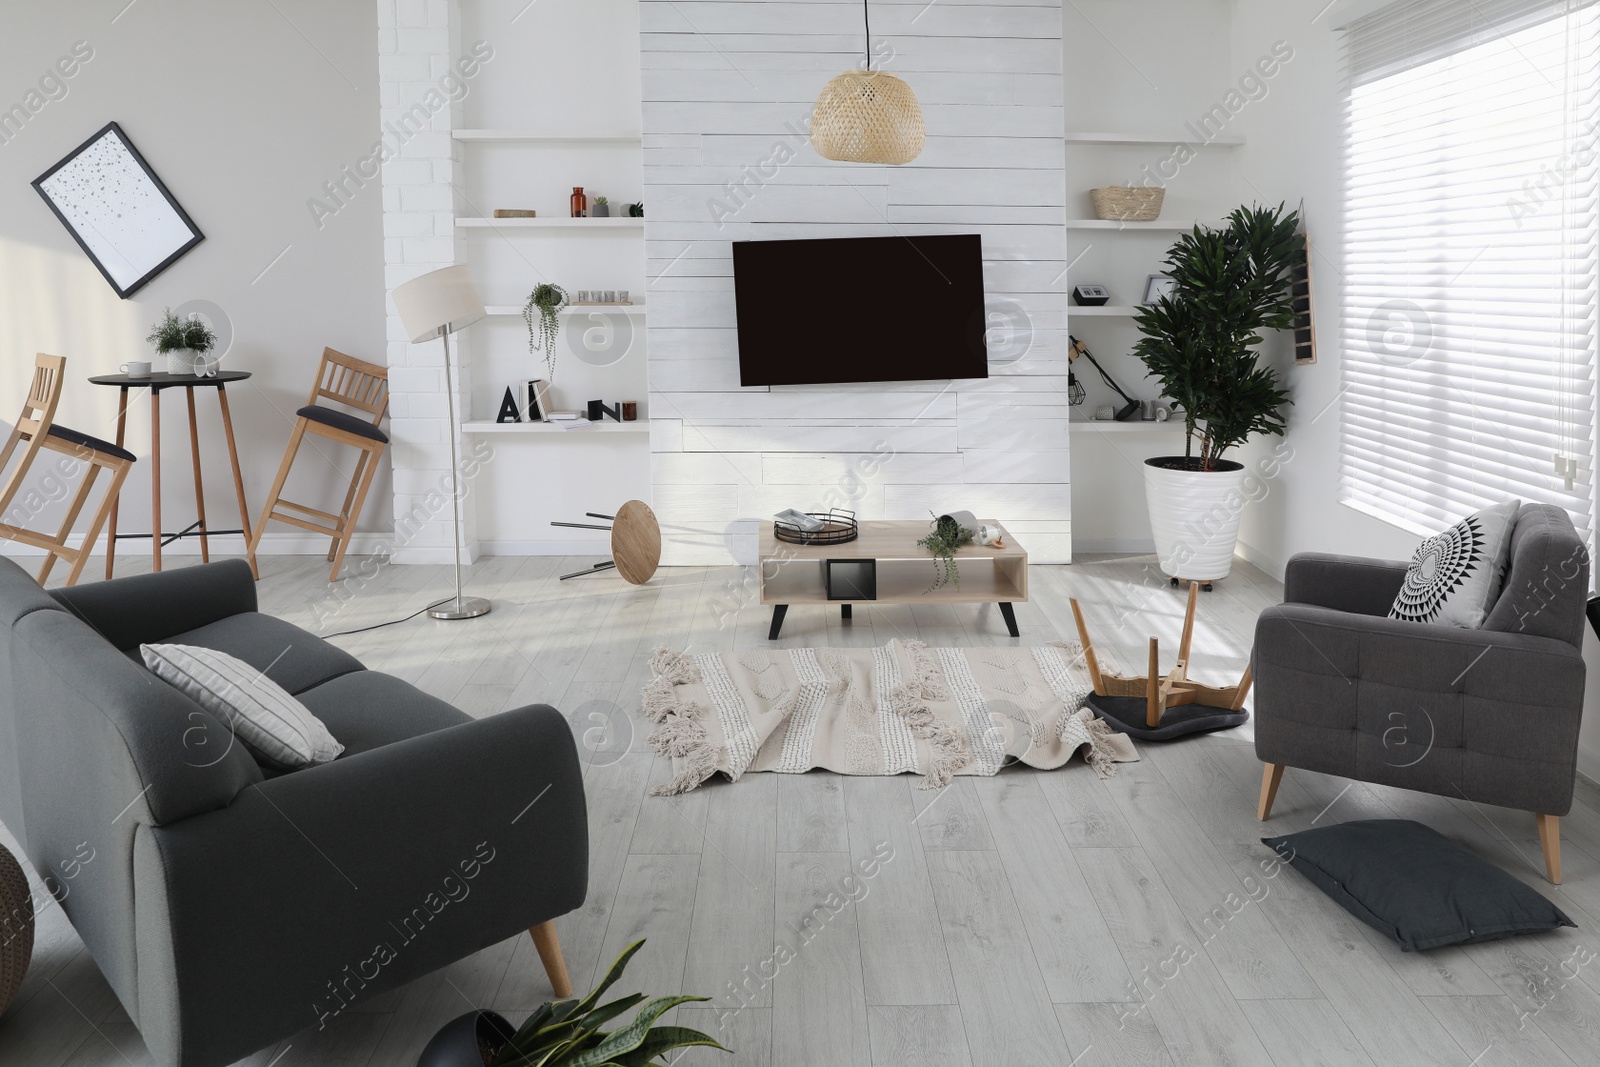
(16, 927)
(1125, 203)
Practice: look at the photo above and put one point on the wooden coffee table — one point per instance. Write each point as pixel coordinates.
(794, 574)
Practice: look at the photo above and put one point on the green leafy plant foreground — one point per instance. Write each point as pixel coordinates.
(173, 334)
(1201, 340)
(567, 1033)
(946, 537)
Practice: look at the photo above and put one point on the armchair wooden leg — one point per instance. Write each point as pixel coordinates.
(544, 939)
(1550, 839)
(1271, 775)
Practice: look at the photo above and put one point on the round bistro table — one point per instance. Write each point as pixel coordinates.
(188, 383)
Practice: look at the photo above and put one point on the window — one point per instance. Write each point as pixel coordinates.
(1471, 243)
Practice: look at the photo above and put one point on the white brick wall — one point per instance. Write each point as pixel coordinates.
(417, 41)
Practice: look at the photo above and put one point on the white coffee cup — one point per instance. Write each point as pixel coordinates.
(139, 368)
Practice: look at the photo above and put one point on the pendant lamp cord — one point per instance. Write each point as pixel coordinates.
(866, 17)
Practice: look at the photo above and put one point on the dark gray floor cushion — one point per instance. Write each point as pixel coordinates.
(1414, 885)
(1127, 714)
(291, 657)
(370, 709)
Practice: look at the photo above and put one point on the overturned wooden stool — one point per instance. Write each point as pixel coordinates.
(1156, 707)
(635, 542)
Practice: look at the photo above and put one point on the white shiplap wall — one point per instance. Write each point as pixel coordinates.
(728, 91)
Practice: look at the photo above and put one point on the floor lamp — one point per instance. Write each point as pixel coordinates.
(437, 304)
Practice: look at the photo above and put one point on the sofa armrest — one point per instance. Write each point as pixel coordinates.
(143, 608)
(337, 882)
(1345, 583)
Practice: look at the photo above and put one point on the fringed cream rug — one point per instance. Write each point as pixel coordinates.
(900, 708)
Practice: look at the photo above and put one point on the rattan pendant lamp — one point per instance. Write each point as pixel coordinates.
(867, 116)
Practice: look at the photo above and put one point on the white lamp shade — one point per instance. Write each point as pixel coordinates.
(439, 302)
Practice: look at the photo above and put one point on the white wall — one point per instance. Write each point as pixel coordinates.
(1294, 153)
(562, 66)
(1134, 68)
(730, 86)
(244, 111)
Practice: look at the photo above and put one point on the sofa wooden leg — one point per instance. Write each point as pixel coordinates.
(1550, 839)
(544, 939)
(1271, 775)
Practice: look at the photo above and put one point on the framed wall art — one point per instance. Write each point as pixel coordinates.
(118, 210)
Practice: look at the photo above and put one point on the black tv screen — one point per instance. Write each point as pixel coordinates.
(860, 309)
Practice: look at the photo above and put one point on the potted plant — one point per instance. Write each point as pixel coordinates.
(945, 539)
(636, 211)
(542, 314)
(1200, 341)
(185, 343)
(601, 209)
(567, 1033)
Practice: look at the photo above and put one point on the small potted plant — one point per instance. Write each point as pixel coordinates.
(567, 1033)
(944, 540)
(1200, 343)
(601, 209)
(542, 313)
(636, 211)
(185, 342)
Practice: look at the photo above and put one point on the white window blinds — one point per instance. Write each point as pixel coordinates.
(1471, 233)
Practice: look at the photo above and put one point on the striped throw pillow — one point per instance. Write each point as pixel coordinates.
(277, 729)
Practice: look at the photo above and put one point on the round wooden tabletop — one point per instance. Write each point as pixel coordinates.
(636, 542)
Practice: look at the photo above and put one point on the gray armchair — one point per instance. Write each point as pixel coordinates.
(1490, 715)
(230, 906)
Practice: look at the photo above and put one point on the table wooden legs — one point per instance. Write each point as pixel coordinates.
(155, 479)
(199, 487)
(122, 430)
(238, 480)
(1009, 614)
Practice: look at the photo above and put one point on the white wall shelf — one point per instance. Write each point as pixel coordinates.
(571, 309)
(1131, 426)
(1104, 311)
(1116, 224)
(546, 137)
(584, 426)
(557, 222)
(1224, 141)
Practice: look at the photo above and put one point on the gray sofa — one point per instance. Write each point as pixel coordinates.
(229, 907)
(1490, 715)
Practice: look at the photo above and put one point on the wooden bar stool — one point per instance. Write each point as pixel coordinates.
(35, 430)
(353, 383)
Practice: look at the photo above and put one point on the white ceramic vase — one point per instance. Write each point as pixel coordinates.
(1194, 516)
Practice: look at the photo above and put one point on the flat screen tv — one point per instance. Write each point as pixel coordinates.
(860, 309)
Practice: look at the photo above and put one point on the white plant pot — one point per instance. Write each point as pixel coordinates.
(190, 361)
(1194, 516)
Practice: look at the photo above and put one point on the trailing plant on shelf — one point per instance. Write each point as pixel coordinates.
(944, 539)
(1201, 339)
(567, 1033)
(542, 314)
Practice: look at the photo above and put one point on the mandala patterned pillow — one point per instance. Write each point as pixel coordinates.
(1454, 577)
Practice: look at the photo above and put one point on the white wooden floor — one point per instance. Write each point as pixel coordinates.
(1034, 918)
